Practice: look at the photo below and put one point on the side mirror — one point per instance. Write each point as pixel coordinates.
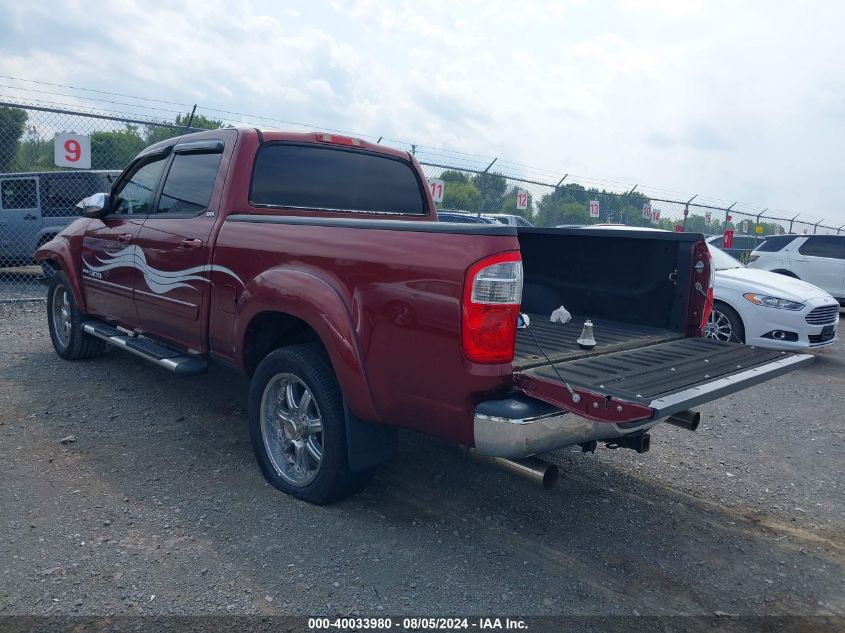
(94, 206)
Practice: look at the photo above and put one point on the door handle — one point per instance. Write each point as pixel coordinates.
(124, 238)
(29, 216)
(191, 244)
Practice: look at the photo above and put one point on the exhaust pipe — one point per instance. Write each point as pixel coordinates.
(688, 419)
(531, 468)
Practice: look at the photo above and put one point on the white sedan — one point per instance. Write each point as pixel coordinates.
(767, 309)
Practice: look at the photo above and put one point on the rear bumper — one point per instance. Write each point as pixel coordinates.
(521, 426)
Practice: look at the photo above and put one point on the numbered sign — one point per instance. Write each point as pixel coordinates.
(646, 211)
(521, 199)
(72, 150)
(728, 240)
(679, 228)
(655, 216)
(745, 226)
(708, 217)
(594, 208)
(728, 218)
(436, 187)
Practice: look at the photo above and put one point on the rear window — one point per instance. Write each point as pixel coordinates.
(59, 194)
(775, 243)
(824, 246)
(309, 177)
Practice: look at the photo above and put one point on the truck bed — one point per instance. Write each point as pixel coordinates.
(559, 341)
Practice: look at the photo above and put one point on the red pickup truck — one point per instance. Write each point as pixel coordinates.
(315, 264)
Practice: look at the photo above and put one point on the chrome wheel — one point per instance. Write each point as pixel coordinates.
(718, 326)
(61, 315)
(292, 429)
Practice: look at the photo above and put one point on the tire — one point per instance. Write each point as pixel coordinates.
(294, 456)
(725, 324)
(65, 323)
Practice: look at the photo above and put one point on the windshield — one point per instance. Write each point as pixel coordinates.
(721, 260)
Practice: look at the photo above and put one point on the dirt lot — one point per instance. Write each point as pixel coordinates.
(156, 507)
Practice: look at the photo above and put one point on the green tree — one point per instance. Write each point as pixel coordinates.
(161, 133)
(115, 150)
(492, 188)
(12, 122)
(34, 153)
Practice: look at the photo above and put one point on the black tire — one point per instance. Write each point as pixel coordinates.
(69, 339)
(309, 365)
(736, 324)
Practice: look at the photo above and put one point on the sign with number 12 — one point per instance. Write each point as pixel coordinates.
(521, 199)
(72, 150)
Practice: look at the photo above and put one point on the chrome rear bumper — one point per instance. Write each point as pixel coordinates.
(520, 426)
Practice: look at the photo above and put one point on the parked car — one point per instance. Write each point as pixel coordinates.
(461, 217)
(35, 206)
(763, 308)
(816, 259)
(504, 218)
(740, 248)
(314, 264)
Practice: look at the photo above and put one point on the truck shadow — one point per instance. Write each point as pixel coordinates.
(603, 541)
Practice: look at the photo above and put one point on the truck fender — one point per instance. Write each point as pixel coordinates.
(58, 254)
(312, 299)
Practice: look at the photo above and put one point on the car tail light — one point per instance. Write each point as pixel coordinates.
(492, 294)
(339, 140)
(701, 290)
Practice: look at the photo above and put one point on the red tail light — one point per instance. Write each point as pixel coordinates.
(492, 294)
(701, 290)
(339, 140)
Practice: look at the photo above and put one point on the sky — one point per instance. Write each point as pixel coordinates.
(733, 101)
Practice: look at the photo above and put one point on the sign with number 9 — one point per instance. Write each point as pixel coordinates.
(72, 150)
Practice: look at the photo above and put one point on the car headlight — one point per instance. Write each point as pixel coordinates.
(772, 302)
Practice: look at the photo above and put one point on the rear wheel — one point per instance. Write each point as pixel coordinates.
(724, 324)
(65, 322)
(298, 426)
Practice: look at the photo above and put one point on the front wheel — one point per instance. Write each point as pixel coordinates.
(298, 426)
(65, 322)
(724, 324)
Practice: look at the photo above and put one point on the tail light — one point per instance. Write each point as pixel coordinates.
(492, 294)
(339, 140)
(701, 290)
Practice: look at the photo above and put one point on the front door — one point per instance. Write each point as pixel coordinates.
(20, 218)
(109, 259)
(173, 246)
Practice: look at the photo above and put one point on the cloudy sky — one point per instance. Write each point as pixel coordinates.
(731, 100)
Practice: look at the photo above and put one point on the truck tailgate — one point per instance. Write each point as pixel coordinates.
(665, 378)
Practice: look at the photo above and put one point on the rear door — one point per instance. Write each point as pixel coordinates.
(655, 381)
(820, 260)
(173, 246)
(20, 217)
(109, 259)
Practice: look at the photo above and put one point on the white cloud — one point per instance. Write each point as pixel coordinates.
(725, 99)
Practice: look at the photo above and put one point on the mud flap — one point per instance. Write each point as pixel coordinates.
(368, 444)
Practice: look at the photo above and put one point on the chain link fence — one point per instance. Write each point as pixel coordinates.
(52, 157)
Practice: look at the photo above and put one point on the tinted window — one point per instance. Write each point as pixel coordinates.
(824, 246)
(18, 193)
(775, 243)
(189, 182)
(717, 242)
(323, 178)
(59, 194)
(134, 195)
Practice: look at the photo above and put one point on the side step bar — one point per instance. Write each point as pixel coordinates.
(157, 353)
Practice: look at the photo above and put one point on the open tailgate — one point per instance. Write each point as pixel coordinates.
(655, 381)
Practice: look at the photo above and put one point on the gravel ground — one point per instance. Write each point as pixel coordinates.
(156, 507)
